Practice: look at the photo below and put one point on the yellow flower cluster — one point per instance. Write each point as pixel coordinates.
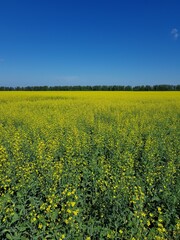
(89, 165)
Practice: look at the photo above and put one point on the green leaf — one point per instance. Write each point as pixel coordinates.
(8, 236)
(15, 218)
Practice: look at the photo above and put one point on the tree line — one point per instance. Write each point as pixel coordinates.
(163, 87)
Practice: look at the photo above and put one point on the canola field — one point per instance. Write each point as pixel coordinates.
(89, 165)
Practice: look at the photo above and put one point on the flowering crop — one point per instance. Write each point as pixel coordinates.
(89, 165)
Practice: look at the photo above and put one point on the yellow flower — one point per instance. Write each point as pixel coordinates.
(62, 237)
(108, 235)
(73, 204)
(160, 225)
(69, 210)
(66, 221)
(161, 229)
(143, 214)
(148, 223)
(76, 212)
(48, 208)
(159, 210)
(33, 219)
(40, 226)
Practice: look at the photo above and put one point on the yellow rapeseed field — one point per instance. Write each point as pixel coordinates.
(89, 165)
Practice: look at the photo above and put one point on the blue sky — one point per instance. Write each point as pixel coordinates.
(89, 42)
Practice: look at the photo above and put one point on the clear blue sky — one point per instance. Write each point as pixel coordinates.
(89, 42)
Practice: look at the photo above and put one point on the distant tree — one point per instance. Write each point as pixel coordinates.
(162, 87)
(128, 88)
(147, 88)
(178, 88)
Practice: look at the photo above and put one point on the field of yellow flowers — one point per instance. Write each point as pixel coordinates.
(89, 165)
